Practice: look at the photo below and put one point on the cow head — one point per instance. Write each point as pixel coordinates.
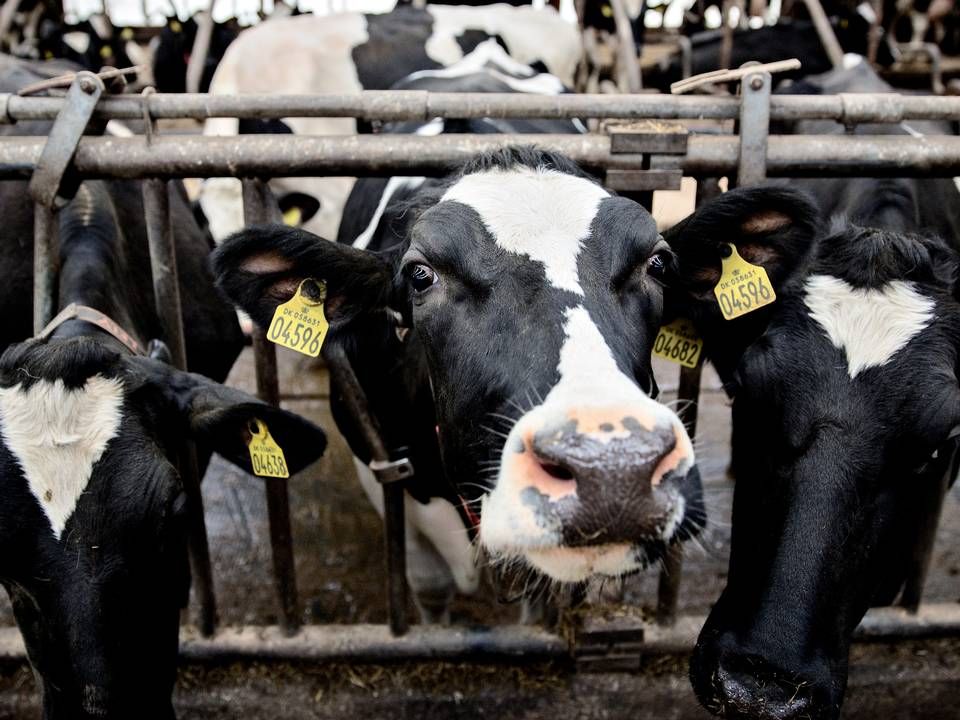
(845, 404)
(92, 523)
(534, 295)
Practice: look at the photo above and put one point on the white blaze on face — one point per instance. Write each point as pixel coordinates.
(869, 325)
(543, 214)
(57, 435)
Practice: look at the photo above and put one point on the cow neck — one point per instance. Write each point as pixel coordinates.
(75, 311)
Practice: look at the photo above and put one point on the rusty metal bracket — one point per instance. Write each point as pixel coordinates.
(61, 145)
(754, 127)
(646, 138)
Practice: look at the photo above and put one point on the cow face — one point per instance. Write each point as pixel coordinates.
(92, 525)
(533, 293)
(846, 402)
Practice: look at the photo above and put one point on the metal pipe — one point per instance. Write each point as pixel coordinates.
(166, 289)
(825, 31)
(379, 155)
(375, 643)
(46, 264)
(389, 105)
(200, 50)
(259, 206)
(626, 47)
(394, 515)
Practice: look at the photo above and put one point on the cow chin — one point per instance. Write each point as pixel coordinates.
(573, 565)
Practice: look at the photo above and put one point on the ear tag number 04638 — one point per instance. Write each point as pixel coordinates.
(266, 457)
(678, 342)
(299, 323)
(743, 287)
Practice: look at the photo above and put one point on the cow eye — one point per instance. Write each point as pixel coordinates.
(422, 277)
(657, 266)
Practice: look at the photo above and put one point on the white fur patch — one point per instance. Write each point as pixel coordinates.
(57, 435)
(869, 325)
(541, 213)
(393, 185)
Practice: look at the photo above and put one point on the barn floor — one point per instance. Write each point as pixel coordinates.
(338, 543)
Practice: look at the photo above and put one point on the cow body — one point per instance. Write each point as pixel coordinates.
(92, 526)
(350, 52)
(846, 410)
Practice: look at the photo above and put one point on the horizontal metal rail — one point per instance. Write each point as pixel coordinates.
(375, 643)
(421, 105)
(372, 155)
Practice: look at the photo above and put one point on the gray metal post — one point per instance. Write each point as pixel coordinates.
(260, 207)
(754, 128)
(166, 288)
(46, 261)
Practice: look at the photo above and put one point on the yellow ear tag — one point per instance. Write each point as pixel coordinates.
(105, 51)
(175, 26)
(678, 342)
(299, 324)
(266, 457)
(743, 287)
(293, 216)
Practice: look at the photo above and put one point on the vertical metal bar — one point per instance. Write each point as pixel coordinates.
(46, 262)
(345, 382)
(626, 47)
(754, 128)
(726, 42)
(259, 207)
(166, 288)
(922, 551)
(876, 31)
(825, 31)
(688, 399)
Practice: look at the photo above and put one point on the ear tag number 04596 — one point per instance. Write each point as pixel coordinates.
(266, 457)
(678, 342)
(743, 287)
(299, 323)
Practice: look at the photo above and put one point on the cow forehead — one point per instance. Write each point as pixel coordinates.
(57, 434)
(541, 213)
(870, 325)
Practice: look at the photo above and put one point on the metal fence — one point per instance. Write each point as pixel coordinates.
(635, 158)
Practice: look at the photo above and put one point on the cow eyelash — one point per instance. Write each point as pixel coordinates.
(420, 276)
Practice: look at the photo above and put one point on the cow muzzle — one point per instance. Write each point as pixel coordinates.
(595, 491)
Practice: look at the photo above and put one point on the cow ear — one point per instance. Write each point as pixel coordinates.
(261, 267)
(773, 227)
(220, 418)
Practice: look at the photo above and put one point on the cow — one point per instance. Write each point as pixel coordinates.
(502, 333)
(349, 52)
(846, 414)
(175, 46)
(92, 523)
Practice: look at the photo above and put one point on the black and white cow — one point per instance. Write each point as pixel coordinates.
(349, 52)
(846, 415)
(92, 533)
(502, 332)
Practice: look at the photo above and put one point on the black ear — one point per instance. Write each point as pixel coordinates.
(261, 267)
(219, 417)
(298, 208)
(771, 226)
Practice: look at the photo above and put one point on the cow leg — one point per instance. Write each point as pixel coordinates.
(430, 577)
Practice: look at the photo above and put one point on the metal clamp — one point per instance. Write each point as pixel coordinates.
(61, 145)
(609, 644)
(391, 471)
(646, 138)
(754, 126)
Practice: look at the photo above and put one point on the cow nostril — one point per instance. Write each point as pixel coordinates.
(556, 471)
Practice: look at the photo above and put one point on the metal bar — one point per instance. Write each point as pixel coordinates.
(394, 520)
(259, 206)
(626, 47)
(200, 50)
(46, 263)
(825, 31)
(754, 128)
(377, 155)
(376, 644)
(166, 288)
(922, 551)
(389, 105)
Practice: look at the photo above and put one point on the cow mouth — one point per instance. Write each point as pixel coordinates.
(573, 564)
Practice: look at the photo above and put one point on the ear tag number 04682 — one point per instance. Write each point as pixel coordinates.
(299, 323)
(266, 457)
(678, 342)
(743, 287)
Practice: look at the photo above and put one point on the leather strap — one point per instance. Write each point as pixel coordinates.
(73, 311)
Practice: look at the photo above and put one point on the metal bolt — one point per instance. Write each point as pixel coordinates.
(756, 82)
(87, 85)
